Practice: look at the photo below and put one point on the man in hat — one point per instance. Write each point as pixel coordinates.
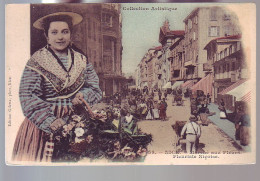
(193, 132)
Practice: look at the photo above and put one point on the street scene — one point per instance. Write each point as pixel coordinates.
(130, 81)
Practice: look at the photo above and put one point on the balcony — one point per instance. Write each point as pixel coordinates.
(227, 75)
(207, 67)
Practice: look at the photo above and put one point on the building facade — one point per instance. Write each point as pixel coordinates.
(201, 26)
(228, 62)
(176, 57)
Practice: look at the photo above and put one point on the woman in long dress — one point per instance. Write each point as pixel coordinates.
(222, 109)
(55, 78)
(156, 109)
(150, 106)
(163, 108)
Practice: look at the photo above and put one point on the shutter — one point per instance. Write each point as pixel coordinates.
(209, 32)
(218, 31)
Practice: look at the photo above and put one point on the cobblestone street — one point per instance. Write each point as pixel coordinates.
(212, 139)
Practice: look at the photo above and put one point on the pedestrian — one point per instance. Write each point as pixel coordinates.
(192, 131)
(50, 85)
(208, 98)
(238, 113)
(143, 109)
(245, 128)
(163, 108)
(160, 94)
(150, 115)
(156, 110)
(204, 113)
(173, 99)
(165, 94)
(222, 109)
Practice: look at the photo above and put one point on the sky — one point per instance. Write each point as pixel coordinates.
(140, 29)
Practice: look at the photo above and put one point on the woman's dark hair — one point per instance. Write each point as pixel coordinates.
(47, 21)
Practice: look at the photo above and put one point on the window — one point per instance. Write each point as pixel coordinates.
(238, 45)
(221, 55)
(224, 68)
(89, 28)
(196, 19)
(226, 16)
(213, 31)
(107, 19)
(230, 50)
(95, 54)
(94, 31)
(186, 28)
(228, 67)
(189, 24)
(233, 66)
(213, 14)
(107, 44)
(225, 52)
(227, 30)
(169, 41)
(194, 35)
(89, 53)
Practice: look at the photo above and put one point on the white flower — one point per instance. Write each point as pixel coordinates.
(79, 132)
(78, 140)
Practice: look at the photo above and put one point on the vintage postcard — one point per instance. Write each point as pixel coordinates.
(130, 84)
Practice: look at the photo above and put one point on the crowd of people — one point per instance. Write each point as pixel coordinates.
(141, 104)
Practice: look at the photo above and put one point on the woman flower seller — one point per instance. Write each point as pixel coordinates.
(55, 78)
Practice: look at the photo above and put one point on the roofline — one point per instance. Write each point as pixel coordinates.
(192, 12)
(239, 36)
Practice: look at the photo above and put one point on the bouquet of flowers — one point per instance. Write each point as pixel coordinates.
(99, 134)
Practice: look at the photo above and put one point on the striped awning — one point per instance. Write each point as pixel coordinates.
(247, 97)
(243, 90)
(187, 84)
(233, 86)
(205, 84)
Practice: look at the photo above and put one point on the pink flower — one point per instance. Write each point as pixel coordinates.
(142, 152)
(89, 138)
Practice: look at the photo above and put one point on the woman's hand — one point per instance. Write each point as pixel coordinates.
(57, 124)
(78, 99)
